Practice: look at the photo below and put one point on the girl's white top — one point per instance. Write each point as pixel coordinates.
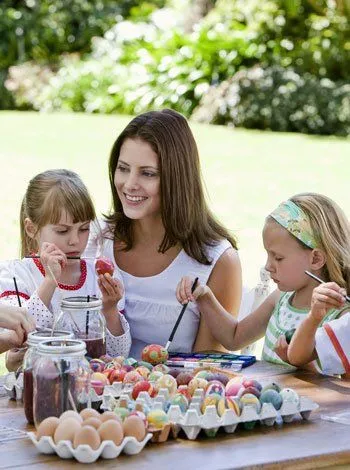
(151, 307)
(29, 274)
(333, 345)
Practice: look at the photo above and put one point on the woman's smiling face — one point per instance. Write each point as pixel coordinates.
(137, 180)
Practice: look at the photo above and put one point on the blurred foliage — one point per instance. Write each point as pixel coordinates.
(279, 99)
(43, 29)
(150, 62)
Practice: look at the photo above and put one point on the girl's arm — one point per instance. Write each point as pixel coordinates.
(220, 305)
(302, 346)
(234, 334)
(301, 349)
(226, 282)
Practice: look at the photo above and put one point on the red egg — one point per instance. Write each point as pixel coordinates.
(103, 266)
(143, 386)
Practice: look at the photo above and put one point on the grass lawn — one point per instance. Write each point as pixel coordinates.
(247, 173)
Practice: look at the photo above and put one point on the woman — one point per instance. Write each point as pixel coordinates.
(160, 229)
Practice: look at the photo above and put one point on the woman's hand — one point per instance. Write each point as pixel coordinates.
(54, 258)
(18, 320)
(325, 297)
(281, 348)
(112, 291)
(184, 290)
(14, 359)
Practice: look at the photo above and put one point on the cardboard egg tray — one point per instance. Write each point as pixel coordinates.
(84, 453)
(193, 421)
(14, 386)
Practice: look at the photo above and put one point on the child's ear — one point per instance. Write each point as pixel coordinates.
(318, 259)
(29, 227)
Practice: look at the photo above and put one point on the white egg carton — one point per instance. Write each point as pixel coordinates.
(193, 420)
(84, 453)
(14, 386)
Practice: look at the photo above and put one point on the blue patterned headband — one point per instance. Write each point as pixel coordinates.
(294, 219)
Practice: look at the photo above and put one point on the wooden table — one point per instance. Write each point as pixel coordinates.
(299, 445)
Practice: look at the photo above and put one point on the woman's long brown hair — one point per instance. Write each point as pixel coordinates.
(186, 217)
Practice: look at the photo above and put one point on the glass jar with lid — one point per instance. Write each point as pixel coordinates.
(34, 338)
(61, 376)
(83, 317)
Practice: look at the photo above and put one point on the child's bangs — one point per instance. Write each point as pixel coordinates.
(73, 200)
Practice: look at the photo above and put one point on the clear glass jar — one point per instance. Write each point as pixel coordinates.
(61, 376)
(34, 338)
(83, 316)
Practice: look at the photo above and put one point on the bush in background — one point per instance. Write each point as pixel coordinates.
(279, 99)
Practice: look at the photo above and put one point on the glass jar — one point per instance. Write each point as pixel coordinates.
(34, 338)
(61, 376)
(83, 316)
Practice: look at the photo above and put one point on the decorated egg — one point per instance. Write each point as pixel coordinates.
(252, 383)
(157, 419)
(155, 354)
(197, 383)
(210, 400)
(174, 372)
(154, 376)
(249, 399)
(215, 387)
(98, 386)
(132, 377)
(252, 390)
(121, 412)
(232, 388)
(273, 397)
(228, 403)
(116, 375)
(180, 400)
(96, 365)
(130, 361)
(184, 378)
(100, 376)
(163, 368)
(167, 381)
(128, 368)
(220, 377)
(203, 374)
(183, 389)
(143, 386)
(106, 358)
(290, 396)
(119, 359)
(143, 371)
(273, 386)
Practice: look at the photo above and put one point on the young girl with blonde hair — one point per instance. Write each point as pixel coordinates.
(55, 222)
(308, 232)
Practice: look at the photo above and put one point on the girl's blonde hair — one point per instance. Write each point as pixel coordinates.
(331, 228)
(48, 195)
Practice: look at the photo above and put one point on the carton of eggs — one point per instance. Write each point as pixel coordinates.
(90, 435)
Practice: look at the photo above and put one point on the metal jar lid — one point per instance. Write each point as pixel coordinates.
(81, 303)
(62, 347)
(36, 337)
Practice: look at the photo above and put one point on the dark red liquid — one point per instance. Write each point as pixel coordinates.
(28, 395)
(95, 347)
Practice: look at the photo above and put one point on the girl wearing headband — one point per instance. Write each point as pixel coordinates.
(308, 232)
